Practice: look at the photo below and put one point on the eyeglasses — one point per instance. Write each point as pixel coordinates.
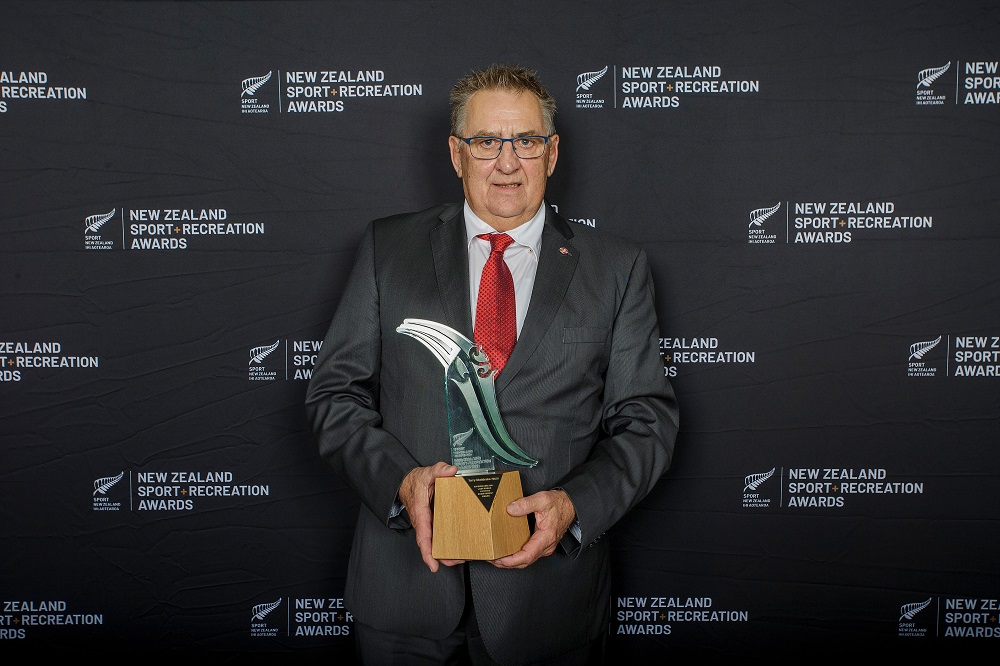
(490, 147)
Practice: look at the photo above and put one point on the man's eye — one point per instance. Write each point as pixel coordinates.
(487, 143)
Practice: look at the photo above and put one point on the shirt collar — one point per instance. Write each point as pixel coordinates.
(528, 234)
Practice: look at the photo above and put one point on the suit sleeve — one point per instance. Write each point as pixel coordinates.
(639, 416)
(342, 400)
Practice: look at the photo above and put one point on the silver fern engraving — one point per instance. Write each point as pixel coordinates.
(587, 79)
(918, 349)
(251, 85)
(95, 222)
(927, 76)
(758, 216)
(257, 354)
(104, 483)
(907, 611)
(751, 481)
(260, 611)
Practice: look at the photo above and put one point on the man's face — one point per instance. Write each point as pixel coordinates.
(505, 192)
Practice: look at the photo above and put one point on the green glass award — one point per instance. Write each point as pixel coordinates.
(470, 509)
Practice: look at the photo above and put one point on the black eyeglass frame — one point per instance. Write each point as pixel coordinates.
(469, 139)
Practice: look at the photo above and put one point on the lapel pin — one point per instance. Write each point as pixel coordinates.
(563, 250)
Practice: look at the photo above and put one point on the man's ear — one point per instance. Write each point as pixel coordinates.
(455, 146)
(553, 153)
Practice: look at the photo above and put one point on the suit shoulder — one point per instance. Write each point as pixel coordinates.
(429, 216)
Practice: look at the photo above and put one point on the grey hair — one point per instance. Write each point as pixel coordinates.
(500, 77)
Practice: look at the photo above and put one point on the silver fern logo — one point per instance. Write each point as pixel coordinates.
(260, 611)
(752, 497)
(752, 481)
(587, 79)
(927, 95)
(262, 366)
(585, 99)
(101, 487)
(757, 216)
(928, 76)
(92, 231)
(258, 619)
(918, 349)
(908, 611)
(249, 101)
(917, 365)
(258, 354)
(251, 85)
(95, 222)
(756, 232)
(909, 622)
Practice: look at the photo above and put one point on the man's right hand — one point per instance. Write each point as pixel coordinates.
(416, 493)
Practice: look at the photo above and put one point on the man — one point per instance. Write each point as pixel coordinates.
(583, 391)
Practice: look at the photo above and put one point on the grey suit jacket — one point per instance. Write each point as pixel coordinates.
(584, 392)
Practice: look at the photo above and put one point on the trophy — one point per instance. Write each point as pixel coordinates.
(470, 509)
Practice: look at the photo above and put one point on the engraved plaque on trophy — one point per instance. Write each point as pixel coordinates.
(470, 509)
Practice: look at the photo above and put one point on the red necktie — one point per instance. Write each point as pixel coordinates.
(496, 312)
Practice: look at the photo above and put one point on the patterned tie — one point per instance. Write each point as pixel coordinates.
(496, 312)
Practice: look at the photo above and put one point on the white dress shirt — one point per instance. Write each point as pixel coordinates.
(521, 257)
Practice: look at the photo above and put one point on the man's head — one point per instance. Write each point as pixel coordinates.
(506, 102)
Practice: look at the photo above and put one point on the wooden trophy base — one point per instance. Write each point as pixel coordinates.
(471, 520)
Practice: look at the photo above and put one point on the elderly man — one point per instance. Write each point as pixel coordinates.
(580, 387)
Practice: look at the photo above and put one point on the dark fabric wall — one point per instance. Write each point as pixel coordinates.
(184, 185)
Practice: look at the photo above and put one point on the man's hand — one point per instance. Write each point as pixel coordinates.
(416, 492)
(554, 513)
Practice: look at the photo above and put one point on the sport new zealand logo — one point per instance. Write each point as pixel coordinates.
(258, 619)
(917, 365)
(752, 498)
(927, 95)
(756, 233)
(908, 624)
(92, 239)
(261, 368)
(102, 502)
(584, 97)
(248, 99)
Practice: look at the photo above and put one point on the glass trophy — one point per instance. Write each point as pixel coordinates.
(470, 509)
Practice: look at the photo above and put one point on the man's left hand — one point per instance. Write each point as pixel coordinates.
(554, 513)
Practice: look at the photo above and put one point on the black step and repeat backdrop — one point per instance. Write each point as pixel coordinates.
(183, 188)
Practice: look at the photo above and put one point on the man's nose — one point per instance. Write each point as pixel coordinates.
(508, 161)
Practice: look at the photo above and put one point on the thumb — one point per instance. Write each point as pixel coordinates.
(520, 507)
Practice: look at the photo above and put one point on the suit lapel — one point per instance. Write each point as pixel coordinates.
(556, 265)
(451, 264)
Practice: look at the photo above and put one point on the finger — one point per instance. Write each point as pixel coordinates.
(422, 528)
(539, 545)
(423, 518)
